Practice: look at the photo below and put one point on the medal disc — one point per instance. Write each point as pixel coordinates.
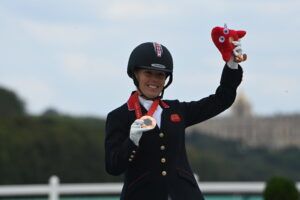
(149, 122)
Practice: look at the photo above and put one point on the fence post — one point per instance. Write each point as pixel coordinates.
(53, 186)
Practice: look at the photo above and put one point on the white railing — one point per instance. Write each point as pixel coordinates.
(54, 189)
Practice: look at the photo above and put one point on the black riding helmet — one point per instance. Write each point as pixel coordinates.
(152, 56)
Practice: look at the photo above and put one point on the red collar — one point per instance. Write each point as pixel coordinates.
(130, 103)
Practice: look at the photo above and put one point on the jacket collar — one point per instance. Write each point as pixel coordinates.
(130, 103)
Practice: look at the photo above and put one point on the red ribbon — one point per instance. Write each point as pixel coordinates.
(137, 106)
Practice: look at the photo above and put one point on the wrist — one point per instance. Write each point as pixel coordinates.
(232, 64)
(135, 139)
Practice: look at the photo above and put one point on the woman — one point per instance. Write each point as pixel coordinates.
(151, 152)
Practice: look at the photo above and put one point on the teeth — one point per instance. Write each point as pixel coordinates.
(152, 86)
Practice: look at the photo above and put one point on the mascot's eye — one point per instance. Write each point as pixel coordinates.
(222, 39)
(226, 31)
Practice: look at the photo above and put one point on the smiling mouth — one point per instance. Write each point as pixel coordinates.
(153, 86)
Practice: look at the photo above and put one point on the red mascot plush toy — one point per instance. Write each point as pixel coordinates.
(224, 39)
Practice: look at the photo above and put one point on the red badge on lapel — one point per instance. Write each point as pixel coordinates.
(175, 118)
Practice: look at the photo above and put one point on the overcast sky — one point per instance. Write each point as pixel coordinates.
(72, 55)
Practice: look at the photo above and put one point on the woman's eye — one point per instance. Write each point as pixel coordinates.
(221, 39)
(226, 31)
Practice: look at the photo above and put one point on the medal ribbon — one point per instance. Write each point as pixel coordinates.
(137, 106)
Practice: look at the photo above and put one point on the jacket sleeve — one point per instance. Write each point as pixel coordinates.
(118, 146)
(197, 111)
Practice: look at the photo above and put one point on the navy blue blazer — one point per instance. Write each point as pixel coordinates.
(159, 167)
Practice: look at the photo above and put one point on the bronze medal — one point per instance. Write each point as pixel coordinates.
(149, 122)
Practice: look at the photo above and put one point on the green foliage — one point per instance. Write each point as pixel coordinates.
(10, 104)
(50, 112)
(34, 148)
(214, 159)
(280, 188)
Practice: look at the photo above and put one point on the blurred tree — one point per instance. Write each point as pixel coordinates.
(10, 104)
(280, 188)
(33, 148)
(50, 112)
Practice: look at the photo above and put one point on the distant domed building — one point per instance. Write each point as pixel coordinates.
(241, 107)
(274, 132)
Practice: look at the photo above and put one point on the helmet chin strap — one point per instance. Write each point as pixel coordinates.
(148, 98)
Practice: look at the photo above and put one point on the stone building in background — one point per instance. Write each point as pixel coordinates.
(274, 132)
